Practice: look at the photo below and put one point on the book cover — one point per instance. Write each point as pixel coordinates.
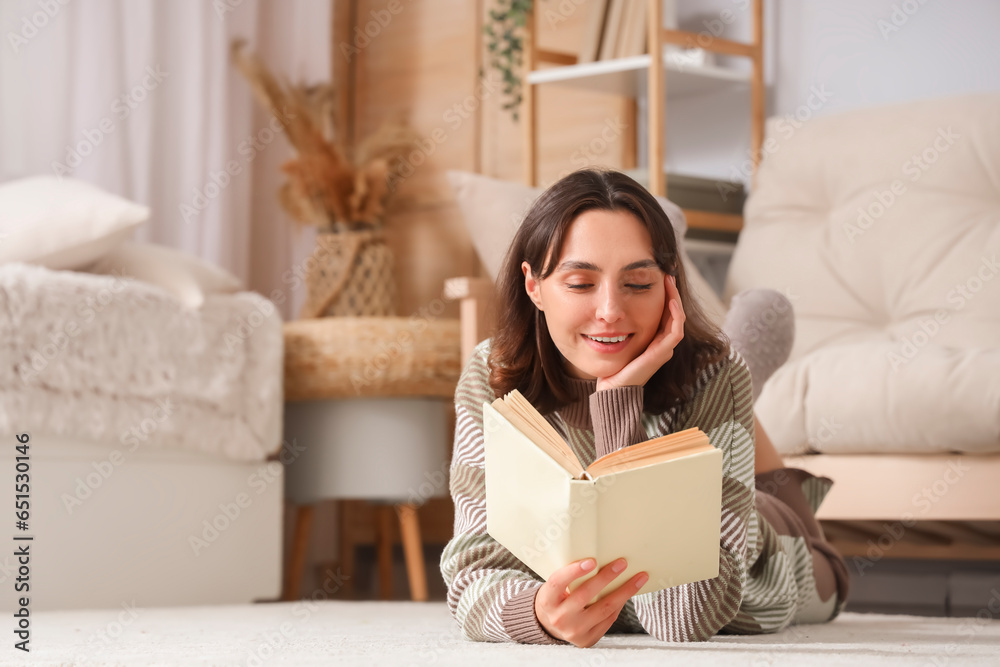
(612, 29)
(591, 44)
(634, 42)
(625, 29)
(664, 519)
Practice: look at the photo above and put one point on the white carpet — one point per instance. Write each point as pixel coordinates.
(405, 633)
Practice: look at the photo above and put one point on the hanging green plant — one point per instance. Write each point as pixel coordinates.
(506, 46)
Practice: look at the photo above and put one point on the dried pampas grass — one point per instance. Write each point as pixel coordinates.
(324, 187)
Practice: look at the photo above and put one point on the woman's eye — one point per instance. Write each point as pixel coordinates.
(639, 288)
(578, 287)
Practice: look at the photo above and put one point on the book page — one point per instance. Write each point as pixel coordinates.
(664, 448)
(523, 415)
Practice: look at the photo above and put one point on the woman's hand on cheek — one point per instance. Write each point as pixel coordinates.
(659, 351)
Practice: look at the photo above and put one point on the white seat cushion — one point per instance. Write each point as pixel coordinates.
(882, 226)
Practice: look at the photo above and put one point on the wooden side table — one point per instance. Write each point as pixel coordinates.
(367, 374)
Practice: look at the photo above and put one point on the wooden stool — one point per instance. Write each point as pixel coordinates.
(358, 390)
(409, 528)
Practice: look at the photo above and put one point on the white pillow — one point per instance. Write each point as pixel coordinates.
(185, 276)
(62, 223)
(493, 210)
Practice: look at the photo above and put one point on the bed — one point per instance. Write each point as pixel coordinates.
(154, 431)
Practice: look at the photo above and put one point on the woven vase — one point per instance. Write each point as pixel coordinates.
(351, 275)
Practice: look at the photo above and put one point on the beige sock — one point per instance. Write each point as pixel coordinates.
(761, 326)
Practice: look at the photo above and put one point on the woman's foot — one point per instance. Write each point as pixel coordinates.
(761, 326)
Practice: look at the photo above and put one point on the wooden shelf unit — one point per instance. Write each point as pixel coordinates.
(664, 79)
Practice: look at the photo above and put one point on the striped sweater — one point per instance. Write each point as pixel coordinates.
(764, 577)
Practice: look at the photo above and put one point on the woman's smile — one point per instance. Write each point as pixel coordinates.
(608, 343)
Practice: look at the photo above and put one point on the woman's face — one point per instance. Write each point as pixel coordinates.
(604, 301)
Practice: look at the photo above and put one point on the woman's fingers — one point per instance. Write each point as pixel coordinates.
(588, 589)
(616, 599)
(560, 580)
(668, 290)
(570, 616)
(671, 324)
(564, 576)
(594, 634)
(674, 325)
(677, 322)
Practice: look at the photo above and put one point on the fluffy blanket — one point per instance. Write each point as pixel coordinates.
(113, 359)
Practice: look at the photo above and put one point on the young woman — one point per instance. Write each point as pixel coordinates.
(597, 328)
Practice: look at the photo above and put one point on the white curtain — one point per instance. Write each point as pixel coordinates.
(139, 97)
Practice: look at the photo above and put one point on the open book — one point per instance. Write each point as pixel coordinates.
(658, 503)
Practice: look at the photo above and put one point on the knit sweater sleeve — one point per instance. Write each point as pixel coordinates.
(617, 417)
(491, 593)
(723, 408)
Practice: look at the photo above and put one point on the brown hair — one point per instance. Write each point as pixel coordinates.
(522, 354)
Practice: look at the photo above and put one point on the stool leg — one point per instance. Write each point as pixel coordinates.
(409, 528)
(300, 545)
(383, 545)
(348, 541)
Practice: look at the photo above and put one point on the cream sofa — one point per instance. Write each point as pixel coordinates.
(882, 227)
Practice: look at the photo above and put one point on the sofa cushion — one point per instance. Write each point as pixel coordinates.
(882, 226)
(493, 209)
